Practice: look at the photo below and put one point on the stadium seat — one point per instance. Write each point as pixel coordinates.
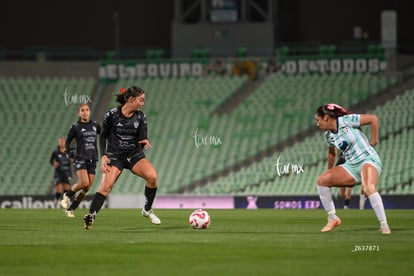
(35, 129)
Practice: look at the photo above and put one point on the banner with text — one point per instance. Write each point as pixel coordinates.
(118, 70)
(207, 202)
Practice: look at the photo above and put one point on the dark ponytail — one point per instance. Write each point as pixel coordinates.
(332, 110)
(133, 91)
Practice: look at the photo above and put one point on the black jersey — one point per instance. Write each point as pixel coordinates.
(64, 162)
(85, 135)
(122, 134)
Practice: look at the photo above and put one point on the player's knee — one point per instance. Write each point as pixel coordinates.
(84, 184)
(369, 189)
(322, 180)
(105, 189)
(152, 179)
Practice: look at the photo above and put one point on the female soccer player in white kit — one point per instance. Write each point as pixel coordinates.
(363, 165)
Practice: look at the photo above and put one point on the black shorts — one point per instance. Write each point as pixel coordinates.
(62, 178)
(88, 165)
(123, 161)
(341, 160)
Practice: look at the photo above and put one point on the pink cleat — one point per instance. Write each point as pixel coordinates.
(385, 230)
(331, 225)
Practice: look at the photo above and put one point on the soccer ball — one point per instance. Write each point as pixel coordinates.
(199, 219)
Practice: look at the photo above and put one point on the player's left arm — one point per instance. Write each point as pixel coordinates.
(372, 120)
(143, 133)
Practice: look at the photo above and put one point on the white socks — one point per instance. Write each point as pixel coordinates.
(362, 200)
(376, 204)
(326, 198)
(375, 199)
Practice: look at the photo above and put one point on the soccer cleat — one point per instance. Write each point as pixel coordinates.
(88, 221)
(70, 213)
(331, 225)
(65, 201)
(149, 214)
(385, 230)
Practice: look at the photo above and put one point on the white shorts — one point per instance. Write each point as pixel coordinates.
(355, 169)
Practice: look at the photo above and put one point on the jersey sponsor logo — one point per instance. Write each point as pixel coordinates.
(343, 145)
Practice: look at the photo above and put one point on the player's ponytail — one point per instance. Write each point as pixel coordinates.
(332, 110)
(133, 91)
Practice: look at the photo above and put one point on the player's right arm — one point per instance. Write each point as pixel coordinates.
(53, 160)
(331, 157)
(69, 138)
(106, 128)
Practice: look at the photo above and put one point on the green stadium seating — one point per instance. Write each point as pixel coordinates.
(282, 106)
(34, 115)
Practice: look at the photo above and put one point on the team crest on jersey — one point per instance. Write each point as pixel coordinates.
(136, 124)
(94, 128)
(344, 130)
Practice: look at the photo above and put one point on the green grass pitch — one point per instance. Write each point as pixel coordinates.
(238, 242)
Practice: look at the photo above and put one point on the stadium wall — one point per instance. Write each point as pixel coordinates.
(223, 39)
(148, 23)
(206, 202)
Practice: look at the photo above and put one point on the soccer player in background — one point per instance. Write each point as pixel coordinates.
(122, 142)
(61, 161)
(85, 132)
(362, 163)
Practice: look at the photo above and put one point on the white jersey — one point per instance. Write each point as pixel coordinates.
(350, 139)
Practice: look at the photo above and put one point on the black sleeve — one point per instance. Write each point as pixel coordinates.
(98, 128)
(69, 138)
(143, 128)
(52, 158)
(105, 130)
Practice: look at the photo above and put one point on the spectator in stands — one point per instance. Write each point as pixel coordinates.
(85, 132)
(122, 143)
(362, 165)
(61, 161)
(216, 68)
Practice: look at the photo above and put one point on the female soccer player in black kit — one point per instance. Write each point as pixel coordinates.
(123, 139)
(60, 160)
(85, 132)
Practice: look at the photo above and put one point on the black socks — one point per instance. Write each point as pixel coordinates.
(97, 202)
(149, 197)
